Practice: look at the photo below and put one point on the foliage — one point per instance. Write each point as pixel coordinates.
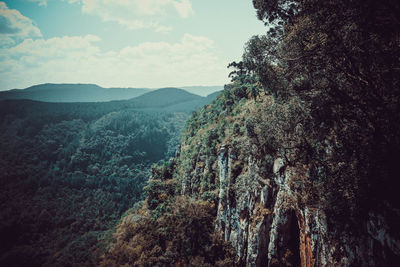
(320, 90)
(182, 236)
(69, 171)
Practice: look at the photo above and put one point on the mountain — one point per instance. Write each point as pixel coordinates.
(293, 164)
(240, 188)
(213, 96)
(90, 92)
(164, 97)
(202, 90)
(167, 99)
(172, 99)
(296, 162)
(72, 93)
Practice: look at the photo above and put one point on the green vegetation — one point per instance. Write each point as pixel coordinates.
(338, 62)
(321, 90)
(168, 229)
(69, 171)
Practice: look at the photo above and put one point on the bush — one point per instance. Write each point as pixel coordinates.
(183, 236)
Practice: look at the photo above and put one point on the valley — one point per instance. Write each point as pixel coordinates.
(70, 170)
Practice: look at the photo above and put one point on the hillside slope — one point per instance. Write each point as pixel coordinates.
(90, 92)
(202, 90)
(295, 163)
(69, 171)
(72, 93)
(164, 97)
(273, 197)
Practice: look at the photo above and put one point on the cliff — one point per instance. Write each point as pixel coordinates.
(273, 206)
(297, 158)
(276, 195)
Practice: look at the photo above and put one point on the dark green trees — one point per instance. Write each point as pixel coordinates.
(341, 60)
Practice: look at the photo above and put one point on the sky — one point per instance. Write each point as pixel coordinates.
(122, 43)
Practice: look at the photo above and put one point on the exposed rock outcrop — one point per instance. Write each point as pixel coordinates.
(267, 226)
(286, 194)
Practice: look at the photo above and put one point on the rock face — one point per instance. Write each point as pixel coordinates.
(267, 225)
(286, 198)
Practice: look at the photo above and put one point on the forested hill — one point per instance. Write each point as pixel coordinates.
(166, 99)
(89, 92)
(296, 161)
(69, 170)
(72, 93)
(293, 164)
(202, 90)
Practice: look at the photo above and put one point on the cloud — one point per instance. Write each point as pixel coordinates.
(40, 2)
(14, 27)
(78, 59)
(184, 8)
(137, 14)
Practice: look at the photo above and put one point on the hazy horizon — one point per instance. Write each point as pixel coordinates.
(123, 87)
(200, 90)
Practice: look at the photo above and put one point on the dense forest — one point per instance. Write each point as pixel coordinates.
(295, 163)
(69, 171)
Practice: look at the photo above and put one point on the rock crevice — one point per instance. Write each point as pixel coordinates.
(267, 226)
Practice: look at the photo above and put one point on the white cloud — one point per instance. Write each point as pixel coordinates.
(184, 8)
(40, 2)
(15, 27)
(136, 14)
(163, 29)
(190, 61)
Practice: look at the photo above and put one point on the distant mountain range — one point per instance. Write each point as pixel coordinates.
(160, 100)
(170, 99)
(89, 92)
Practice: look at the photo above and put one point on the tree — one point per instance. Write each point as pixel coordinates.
(341, 58)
